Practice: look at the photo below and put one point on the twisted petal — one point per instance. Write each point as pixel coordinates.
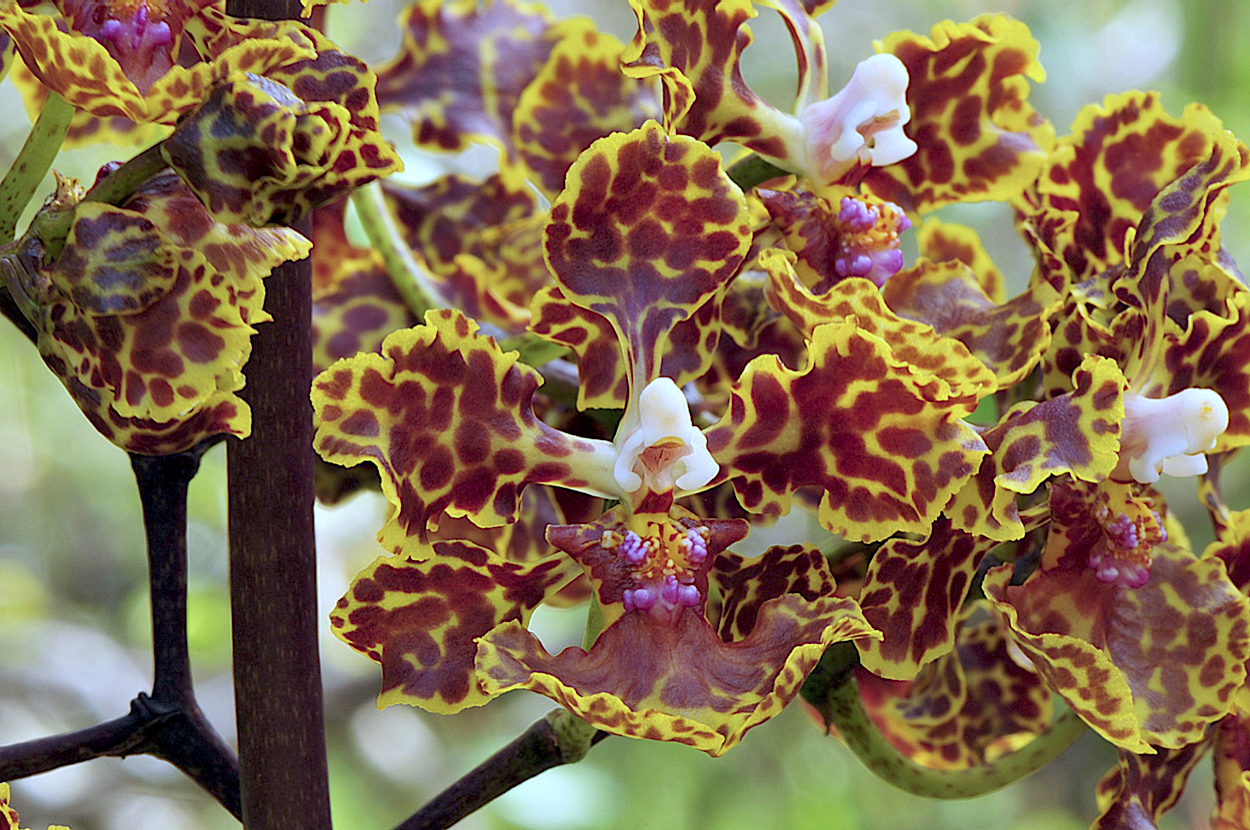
(155, 365)
(82, 71)
(1077, 433)
(1142, 666)
(1214, 353)
(1182, 220)
(676, 679)
(968, 706)
(1008, 337)
(257, 151)
(876, 436)
(420, 617)
(914, 343)
(912, 594)
(1099, 180)
(694, 46)
(978, 137)
(447, 418)
(1142, 788)
(647, 230)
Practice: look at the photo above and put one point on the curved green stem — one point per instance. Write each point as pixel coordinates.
(754, 170)
(845, 710)
(409, 277)
(33, 161)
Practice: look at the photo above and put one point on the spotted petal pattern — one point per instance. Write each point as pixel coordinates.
(859, 299)
(912, 594)
(82, 71)
(694, 46)
(447, 418)
(978, 137)
(1142, 666)
(259, 151)
(648, 229)
(877, 437)
(968, 706)
(1232, 773)
(1099, 180)
(676, 679)
(487, 53)
(1008, 337)
(155, 365)
(420, 617)
(1142, 788)
(1075, 434)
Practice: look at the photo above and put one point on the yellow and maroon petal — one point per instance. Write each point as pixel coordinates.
(449, 216)
(259, 152)
(420, 617)
(85, 128)
(1182, 221)
(462, 69)
(1008, 337)
(873, 434)
(676, 681)
(978, 137)
(1214, 353)
(912, 594)
(1152, 665)
(355, 304)
(648, 229)
(447, 418)
(745, 584)
(913, 342)
(1094, 188)
(694, 46)
(155, 369)
(1232, 773)
(968, 706)
(1142, 788)
(579, 96)
(1077, 433)
(115, 261)
(948, 242)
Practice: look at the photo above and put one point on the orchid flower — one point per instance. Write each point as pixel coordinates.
(648, 231)
(1139, 379)
(146, 315)
(919, 122)
(124, 59)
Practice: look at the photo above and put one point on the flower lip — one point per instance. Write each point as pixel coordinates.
(665, 449)
(863, 122)
(1169, 435)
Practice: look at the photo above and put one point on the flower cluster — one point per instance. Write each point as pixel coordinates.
(767, 347)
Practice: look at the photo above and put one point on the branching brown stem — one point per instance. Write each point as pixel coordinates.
(167, 724)
(559, 738)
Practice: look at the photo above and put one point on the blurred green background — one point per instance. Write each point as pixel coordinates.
(73, 617)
